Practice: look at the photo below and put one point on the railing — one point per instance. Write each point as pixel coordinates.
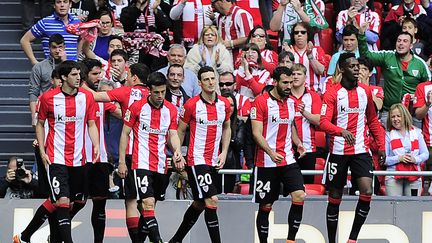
(224, 172)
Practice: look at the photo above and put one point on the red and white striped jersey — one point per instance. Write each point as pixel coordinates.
(206, 124)
(100, 110)
(368, 16)
(351, 110)
(150, 126)
(327, 84)
(305, 130)
(252, 7)
(67, 117)
(269, 60)
(194, 18)
(277, 117)
(313, 81)
(126, 96)
(253, 86)
(420, 100)
(238, 23)
(243, 105)
(377, 91)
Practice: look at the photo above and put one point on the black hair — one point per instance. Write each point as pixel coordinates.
(343, 57)
(91, 63)
(204, 69)
(350, 30)
(233, 118)
(104, 11)
(174, 66)
(156, 79)
(308, 31)
(277, 73)
(254, 47)
(83, 71)
(284, 54)
(408, 34)
(56, 38)
(55, 74)
(268, 45)
(119, 52)
(365, 61)
(115, 37)
(66, 67)
(140, 70)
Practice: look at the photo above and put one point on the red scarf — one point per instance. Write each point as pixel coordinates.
(398, 149)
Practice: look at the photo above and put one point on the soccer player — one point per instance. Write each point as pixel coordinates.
(208, 116)
(346, 111)
(154, 123)
(307, 105)
(274, 131)
(68, 109)
(134, 90)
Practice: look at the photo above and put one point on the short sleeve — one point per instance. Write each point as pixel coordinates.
(186, 113)
(110, 107)
(228, 110)
(116, 94)
(257, 109)
(131, 114)
(420, 99)
(91, 108)
(316, 103)
(42, 108)
(173, 122)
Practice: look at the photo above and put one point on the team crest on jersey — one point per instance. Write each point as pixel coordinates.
(330, 177)
(127, 115)
(205, 188)
(56, 190)
(262, 195)
(143, 189)
(323, 109)
(415, 72)
(253, 113)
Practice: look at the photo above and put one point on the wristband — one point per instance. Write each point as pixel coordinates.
(232, 43)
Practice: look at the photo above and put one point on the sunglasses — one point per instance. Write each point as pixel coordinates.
(258, 35)
(226, 84)
(303, 32)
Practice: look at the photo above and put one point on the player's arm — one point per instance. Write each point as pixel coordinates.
(98, 96)
(313, 119)
(327, 115)
(373, 123)
(175, 145)
(117, 113)
(94, 137)
(40, 136)
(181, 130)
(257, 130)
(122, 169)
(421, 103)
(296, 140)
(226, 138)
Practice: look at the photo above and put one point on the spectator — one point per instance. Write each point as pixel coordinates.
(227, 84)
(177, 55)
(194, 17)
(118, 69)
(117, 6)
(252, 7)
(419, 48)
(29, 9)
(84, 10)
(100, 45)
(251, 77)
(258, 35)
(286, 59)
(399, 65)
(114, 43)
(312, 57)
(40, 76)
(349, 44)
(234, 24)
(18, 181)
(405, 151)
(237, 142)
(209, 51)
(175, 92)
(53, 24)
(394, 18)
(423, 111)
(361, 13)
(307, 105)
(288, 14)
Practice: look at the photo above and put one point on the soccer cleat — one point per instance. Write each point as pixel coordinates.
(17, 239)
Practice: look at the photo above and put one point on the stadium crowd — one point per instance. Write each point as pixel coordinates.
(161, 94)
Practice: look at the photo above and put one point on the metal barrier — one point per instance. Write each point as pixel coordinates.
(224, 172)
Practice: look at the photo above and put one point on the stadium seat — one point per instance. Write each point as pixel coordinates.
(326, 40)
(328, 14)
(244, 188)
(320, 139)
(314, 189)
(319, 165)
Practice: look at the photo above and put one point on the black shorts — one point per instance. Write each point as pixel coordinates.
(66, 181)
(129, 182)
(150, 184)
(98, 179)
(269, 180)
(307, 162)
(337, 168)
(202, 180)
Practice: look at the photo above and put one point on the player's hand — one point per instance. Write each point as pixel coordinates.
(45, 159)
(122, 170)
(349, 138)
(179, 161)
(301, 150)
(381, 157)
(275, 157)
(221, 160)
(301, 107)
(96, 153)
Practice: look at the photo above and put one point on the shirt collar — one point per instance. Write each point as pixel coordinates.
(152, 106)
(206, 102)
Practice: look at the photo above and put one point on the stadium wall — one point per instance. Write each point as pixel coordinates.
(393, 220)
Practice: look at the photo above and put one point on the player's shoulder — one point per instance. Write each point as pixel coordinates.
(169, 105)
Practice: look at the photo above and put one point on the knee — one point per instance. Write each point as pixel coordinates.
(198, 205)
(335, 193)
(212, 201)
(63, 201)
(298, 196)
(148, 203)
